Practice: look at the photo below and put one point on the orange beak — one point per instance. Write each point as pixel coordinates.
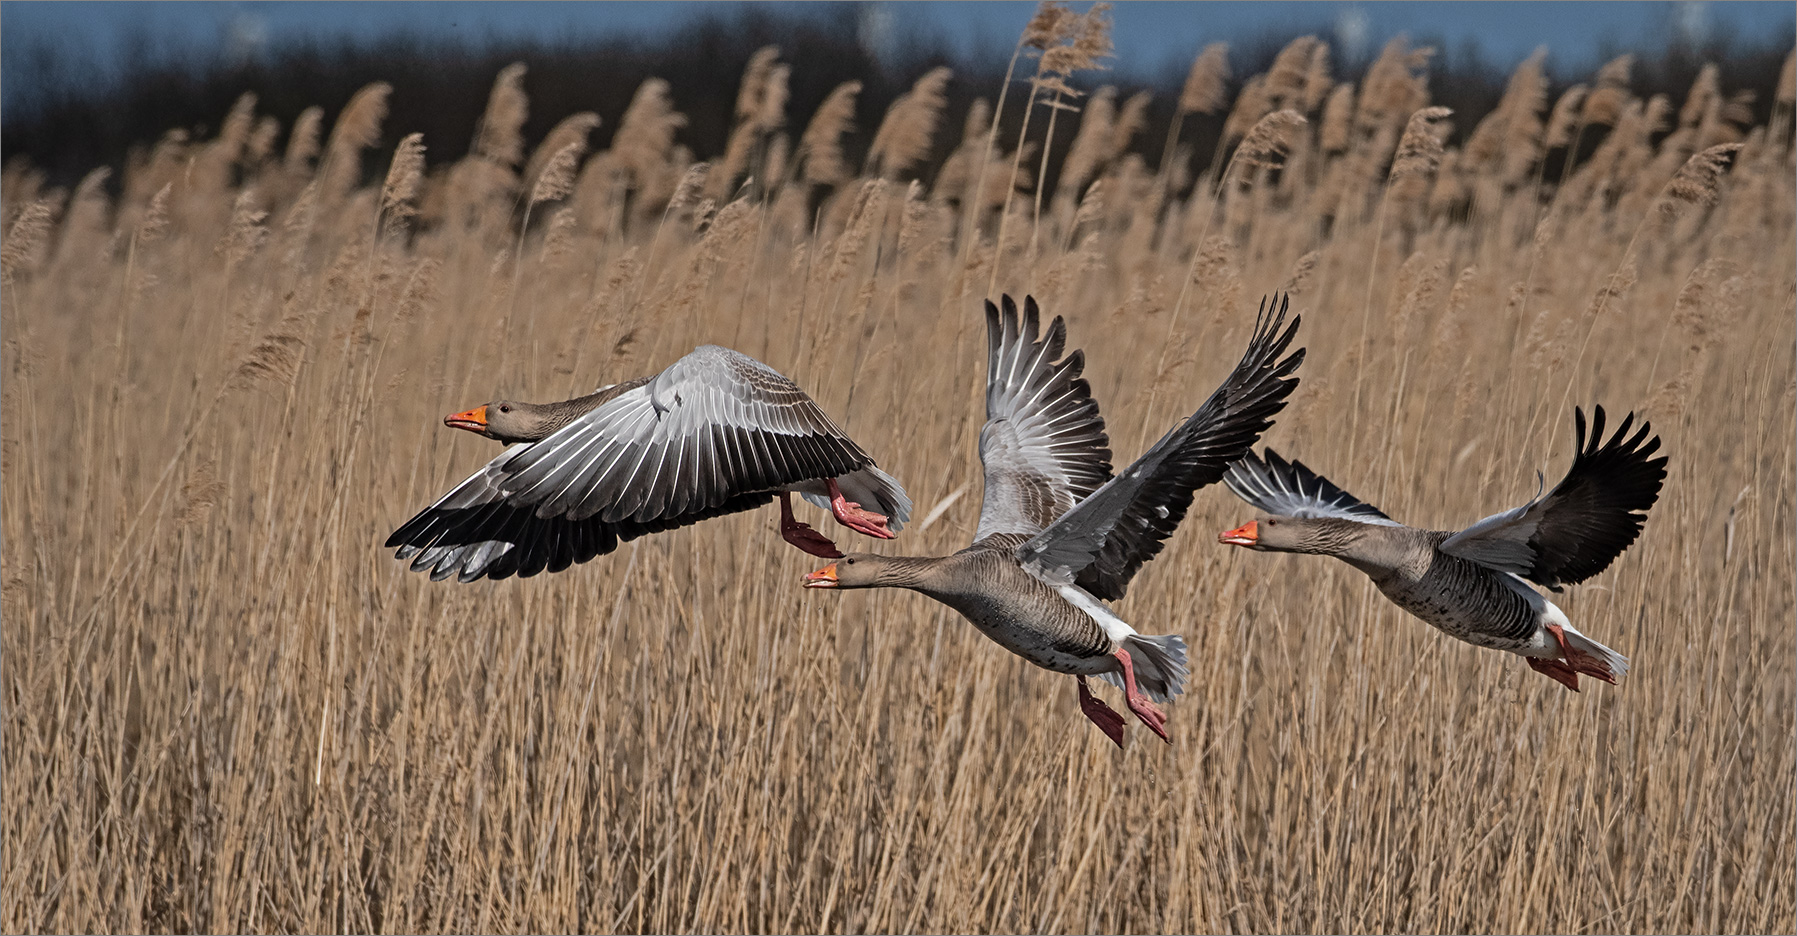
(1248, 534)
(474, 420)
(822, 578)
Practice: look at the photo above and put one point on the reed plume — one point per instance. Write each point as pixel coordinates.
(904, 137)
(820, 146)
(500, 138)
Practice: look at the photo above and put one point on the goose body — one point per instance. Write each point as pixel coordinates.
(716, 433)
(1473, 584)
(1058, 534)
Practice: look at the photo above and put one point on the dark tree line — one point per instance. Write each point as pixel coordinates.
(440, 87)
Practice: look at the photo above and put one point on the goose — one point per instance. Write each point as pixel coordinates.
(1471, 584)
(716, 433)
(1059, 535)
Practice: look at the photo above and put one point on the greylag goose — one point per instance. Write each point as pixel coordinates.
(1470, 583)
(1058, 535)
(716, 433)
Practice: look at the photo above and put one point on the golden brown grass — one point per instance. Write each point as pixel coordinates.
(226, 707)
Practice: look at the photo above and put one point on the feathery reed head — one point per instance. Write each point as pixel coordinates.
(1270, 138)
(1087, 41)
(1697, 182)
(404, 176)
(1419, 150)
(557, 178)
(904, 137)
(500, 138)
(1206, 89)
(820, 146)
(1051, 24)
(302, 142)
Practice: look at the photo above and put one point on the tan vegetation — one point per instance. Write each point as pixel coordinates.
(227, 708)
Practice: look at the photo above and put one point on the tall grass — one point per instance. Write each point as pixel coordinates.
(226, 708)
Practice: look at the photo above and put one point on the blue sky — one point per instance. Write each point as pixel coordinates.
(1150, 37)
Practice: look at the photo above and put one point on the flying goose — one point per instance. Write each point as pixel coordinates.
(1058, 535)
(1470, 584)
(716, 433)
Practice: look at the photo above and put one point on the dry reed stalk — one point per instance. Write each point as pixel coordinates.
(1318, 80)
(904, 136)
(1076, 43)
(557, 179)
(574, 128)
(1338, 119)
(25, 239)
(1289, 75)
(405, 176)
(499, 137)
(358, 127)
(302, 142)
(820, 146)
(1563, 122)
(1092, 143)
(1419, 149)
(1206, 90)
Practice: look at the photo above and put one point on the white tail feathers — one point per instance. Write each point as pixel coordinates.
(1160, 665)
(1595, 652)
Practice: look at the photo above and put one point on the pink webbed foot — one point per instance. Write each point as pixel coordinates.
(801, 534)
(1578, 660)
(1102, 715)
(1555, 670)
(1143, 707)
(849, 514)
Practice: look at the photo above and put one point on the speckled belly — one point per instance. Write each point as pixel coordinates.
(1053, 641)
(1466, 601)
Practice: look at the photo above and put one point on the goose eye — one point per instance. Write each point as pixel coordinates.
(850, 561)
(504, 409)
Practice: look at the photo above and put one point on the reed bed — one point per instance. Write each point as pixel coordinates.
(227, 708)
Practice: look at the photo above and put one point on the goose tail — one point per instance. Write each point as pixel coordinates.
(1591, 658)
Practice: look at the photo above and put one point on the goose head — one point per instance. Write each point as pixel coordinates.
(1329, 536)
(505, 421)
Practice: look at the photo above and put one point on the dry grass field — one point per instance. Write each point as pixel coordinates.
(226, 707)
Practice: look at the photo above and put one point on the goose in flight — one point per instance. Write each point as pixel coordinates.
(1058, 534)
(1471, 584)
(716, 433)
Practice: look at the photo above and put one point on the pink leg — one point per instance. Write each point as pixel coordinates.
(849, 514)
(1102, 715)
(1145, 709)
(1580, 661)
(802, 535)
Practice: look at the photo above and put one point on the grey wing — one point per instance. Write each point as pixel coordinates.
(1283, 488)
(1105, 539)
(1576, 530)
(474, 532)
(714, 425)
(1043, 446)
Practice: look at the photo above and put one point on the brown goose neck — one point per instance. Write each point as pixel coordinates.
(918, 573)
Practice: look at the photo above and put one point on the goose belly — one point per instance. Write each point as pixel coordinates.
(1471, 603)
(1059, 639)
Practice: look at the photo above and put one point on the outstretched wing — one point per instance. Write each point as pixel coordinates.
(1043, 446)
(1280, 488)
(716, 433)
(1576, 530)
(1102, 541)
(474, 532)
(715, 424)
